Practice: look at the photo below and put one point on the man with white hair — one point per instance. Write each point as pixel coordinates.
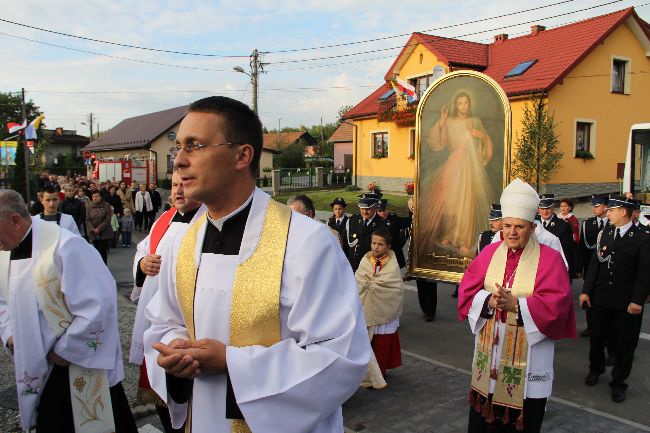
(58, 316)
(516, 295)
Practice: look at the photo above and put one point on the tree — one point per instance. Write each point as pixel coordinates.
(292, 156)
(344, 109)
(538, 156)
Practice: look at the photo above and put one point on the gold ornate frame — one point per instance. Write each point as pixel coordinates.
(415, 269)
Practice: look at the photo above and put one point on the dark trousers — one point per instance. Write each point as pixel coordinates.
(139, 216)
(165, 420)
(151, 218)
(427, 297)
(624, 329)
(126, 239)
(54, 412)
(533, 417)
(101, 245)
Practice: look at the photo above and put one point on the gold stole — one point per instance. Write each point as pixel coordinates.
(255, 305)
(512, 369)
(92, 409)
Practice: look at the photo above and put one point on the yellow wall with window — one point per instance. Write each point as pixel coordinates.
(584, 95)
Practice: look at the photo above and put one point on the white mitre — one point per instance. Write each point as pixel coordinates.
(519, 200)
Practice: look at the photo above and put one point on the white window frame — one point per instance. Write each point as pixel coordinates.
(627, 80)
(411, 146)
(372, 142)
(592, 135)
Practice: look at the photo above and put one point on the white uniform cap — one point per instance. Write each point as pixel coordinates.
(519, 200)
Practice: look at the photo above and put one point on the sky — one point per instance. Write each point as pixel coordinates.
(317, 55)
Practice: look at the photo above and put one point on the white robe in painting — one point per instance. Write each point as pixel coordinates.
(544, 237)
(145, 293)
(296, 385)
(91, 297)
(66, 222)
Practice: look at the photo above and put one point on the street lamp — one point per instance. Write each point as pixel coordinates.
(255, 68)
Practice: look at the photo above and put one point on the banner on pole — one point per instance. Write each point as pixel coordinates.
(8, 152)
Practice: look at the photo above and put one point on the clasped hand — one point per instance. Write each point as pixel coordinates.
(188, 359)
(503, 299)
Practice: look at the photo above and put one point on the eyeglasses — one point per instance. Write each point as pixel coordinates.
(191, 147)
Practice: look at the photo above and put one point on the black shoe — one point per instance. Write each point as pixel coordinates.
(592, 378)
(609, 362)
(429, 318)
(585, 332)
(618, 395)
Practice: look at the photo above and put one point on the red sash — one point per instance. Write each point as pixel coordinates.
(160, 228)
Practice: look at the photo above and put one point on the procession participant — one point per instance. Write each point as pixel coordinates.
(637, 218)
(516, 291)
(60, 321)
(247, 290)
(73, 206)
(98, 224)
(396, 225)
(146, 266)
(305, 206)
(360, 226)
(156, 201)
(616, 288)
(587, 246)
(37, 206)
(496, 224)
(50, 202)
(143, 208)
(338, 220)
(381, 290)
(126, 197)
(566, 214)
(559, 228)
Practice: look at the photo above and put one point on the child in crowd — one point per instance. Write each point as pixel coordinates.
(127, 228)
(381, 289)
(115, 225)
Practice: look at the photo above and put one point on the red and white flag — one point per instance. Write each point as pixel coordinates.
(15, 127)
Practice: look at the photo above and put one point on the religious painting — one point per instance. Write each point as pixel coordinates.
(462, 165)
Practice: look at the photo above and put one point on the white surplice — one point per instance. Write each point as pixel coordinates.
(150, 285)
(296, 385)
(92, 339)
(66, 222)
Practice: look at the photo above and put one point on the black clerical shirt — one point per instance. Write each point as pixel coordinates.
(24, 248)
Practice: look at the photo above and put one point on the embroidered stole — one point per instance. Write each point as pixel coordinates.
(89, 391)
(255, 305)
(511, 370)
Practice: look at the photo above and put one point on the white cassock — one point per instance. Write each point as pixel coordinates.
(66, 222)
(90, 295)
(296, 385)
(544, 237)
(150, 286)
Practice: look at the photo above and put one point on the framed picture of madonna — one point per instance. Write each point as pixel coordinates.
(463, 141)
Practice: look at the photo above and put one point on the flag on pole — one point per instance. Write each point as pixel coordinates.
(15, 127)
(406, 88)
(30, 131)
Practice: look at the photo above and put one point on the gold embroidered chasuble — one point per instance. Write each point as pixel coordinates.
(255, 304)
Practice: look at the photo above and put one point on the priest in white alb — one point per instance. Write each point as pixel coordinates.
(256, 324)
(146, 266)
(58, 316)
(517, 298)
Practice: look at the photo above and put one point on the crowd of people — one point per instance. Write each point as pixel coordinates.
(104, 213)
(255, 316)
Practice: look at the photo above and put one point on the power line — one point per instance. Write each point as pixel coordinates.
(453, 37)
(344, 44)
(115, 57)
(85, 38)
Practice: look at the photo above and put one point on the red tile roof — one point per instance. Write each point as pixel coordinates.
(273, 140)
(557, 52)
(342, 134)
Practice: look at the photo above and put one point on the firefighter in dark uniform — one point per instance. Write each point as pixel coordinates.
(559, 228)
(616, 288)
(589, 230)
(338, 221)
(397, 226)
(496, 224)
(360, 226)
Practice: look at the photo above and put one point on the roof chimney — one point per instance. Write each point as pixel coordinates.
(536, 29)
(59, 131)
(501, 37)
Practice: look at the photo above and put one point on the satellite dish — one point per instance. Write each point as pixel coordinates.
(438, 72)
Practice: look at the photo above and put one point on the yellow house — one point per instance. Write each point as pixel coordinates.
(594, 75)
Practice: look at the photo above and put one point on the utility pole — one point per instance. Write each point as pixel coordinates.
(24, 139)
(90, 125)
(255, 66)
(278, 141)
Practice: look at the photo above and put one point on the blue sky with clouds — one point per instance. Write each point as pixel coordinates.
(68, 84)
